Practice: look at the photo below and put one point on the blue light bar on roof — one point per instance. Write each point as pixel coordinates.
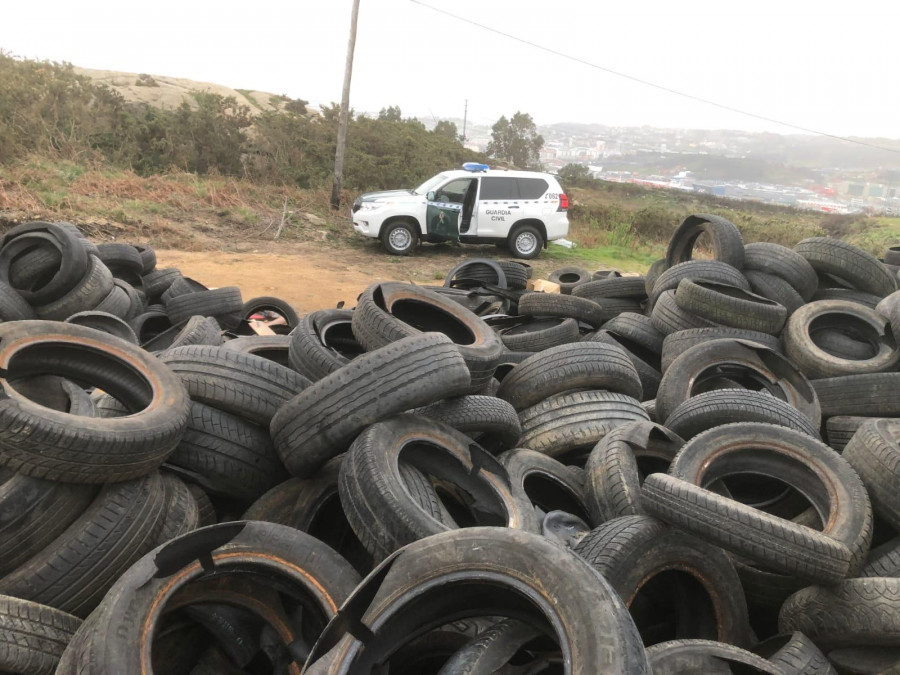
(475, 166)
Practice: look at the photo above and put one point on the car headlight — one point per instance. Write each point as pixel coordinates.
(371, 206)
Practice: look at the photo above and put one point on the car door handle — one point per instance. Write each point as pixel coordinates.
(514, 206)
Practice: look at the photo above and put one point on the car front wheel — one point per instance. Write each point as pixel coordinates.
(399, 238)
(526, 242)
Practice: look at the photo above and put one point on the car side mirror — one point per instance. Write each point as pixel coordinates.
(430, 196)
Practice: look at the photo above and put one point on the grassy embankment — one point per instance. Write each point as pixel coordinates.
(613, 225)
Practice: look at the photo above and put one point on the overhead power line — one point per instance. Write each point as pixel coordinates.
(654, 85)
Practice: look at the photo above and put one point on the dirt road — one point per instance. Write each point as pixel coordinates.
(312, 277)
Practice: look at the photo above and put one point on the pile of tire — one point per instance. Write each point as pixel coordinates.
(691, 471)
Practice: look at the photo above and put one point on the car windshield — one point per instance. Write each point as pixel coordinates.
(429, 184)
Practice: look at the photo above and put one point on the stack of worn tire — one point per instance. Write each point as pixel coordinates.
(410, 487)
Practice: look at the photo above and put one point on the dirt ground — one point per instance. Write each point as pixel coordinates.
(312, 277)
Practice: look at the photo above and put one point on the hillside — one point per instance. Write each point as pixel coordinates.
(161, 91)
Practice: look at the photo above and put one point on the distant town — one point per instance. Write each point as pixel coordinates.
(807, 172)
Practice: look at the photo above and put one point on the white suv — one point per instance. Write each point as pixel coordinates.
(521, 209)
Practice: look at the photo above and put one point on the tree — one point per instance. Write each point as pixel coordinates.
(390, 114)
(575, 174)
(516, 141)
(447, 129)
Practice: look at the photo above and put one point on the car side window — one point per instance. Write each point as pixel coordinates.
(454, 191)
(531, 188)
(497, 188)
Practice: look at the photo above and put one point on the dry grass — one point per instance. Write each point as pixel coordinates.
(175, 210)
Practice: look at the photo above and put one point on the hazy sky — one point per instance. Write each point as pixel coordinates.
(829, 66)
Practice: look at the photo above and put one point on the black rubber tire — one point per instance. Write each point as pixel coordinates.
(412, 233)
(56, 445)
(657, 268)
(150, 324)
(181, 286)
(76, 569)
(291, 561)
(491, 421)
(645, 363)
(703, 366)
(89, 292)
(198, 330)
(679, 657)
(869, 395)
(562, 588)
(157, 282)
(476, 274)
(575, 422)
(865, 660)
(637, 328)
(784, 263)
(577, 366)
(312, 505)
(568, 278)
(72, 266)
(205, 508)
(874, 451)
(321, 421)
(541, 485)
(108, 323)
(713, 271)
(270, 347)
(33, 636)
(850, 263)
(727, 243)
(245, 385)
(537, 335)
(313, 353)
(34, 266)
(619, 463)
(775, 289)
(565, 306)
(633, 550)
(730, 306)
(223, 304)
(181, 513)
(123, 260)
(667, 317)
(815, 470)
(228, 456)
(389, 312)
(378, 502)
(56, 393)
(277, 305)
(33, 512)
(675, 344)
(855, 612)
(844, 343)
(816, 362)
(610, 308)
(633, 288)
(13, 306)
(117, 302)
(841, 428)
(148, 258)
(723, 406)
(487, 652)
(795, 653)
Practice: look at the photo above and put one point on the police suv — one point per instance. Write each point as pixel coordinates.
(522, 210)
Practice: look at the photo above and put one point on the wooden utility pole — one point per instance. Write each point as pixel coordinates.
(345, 113)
